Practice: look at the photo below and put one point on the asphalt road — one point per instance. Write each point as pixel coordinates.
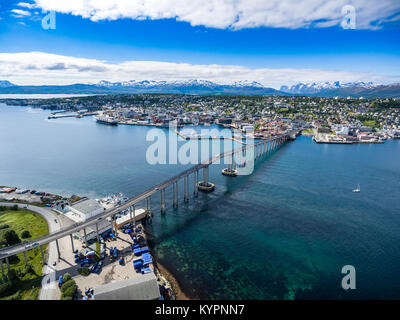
(49, 272)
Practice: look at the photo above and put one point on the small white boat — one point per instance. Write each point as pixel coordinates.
(357, 190)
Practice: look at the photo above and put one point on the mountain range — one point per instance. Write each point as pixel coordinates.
(204, 87)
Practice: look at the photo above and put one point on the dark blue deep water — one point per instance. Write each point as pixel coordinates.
(284, 232)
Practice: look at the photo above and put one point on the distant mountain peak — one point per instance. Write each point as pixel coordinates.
(189, 82)
(316, 87)
(6, 84)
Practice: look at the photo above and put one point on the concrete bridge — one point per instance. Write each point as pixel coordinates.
(256, 150)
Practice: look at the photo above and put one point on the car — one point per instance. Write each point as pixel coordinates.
(99, 218)
(33, 191)
(55, 220)
(54, 263)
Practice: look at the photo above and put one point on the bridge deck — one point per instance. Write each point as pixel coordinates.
(10, 251)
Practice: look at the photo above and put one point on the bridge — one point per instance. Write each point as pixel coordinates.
(255, 151)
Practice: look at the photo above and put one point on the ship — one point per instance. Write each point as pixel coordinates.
(358, 190)
(106, 120)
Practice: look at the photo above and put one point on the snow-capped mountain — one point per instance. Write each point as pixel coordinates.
(316, 87)
(6, 84)
(176, 83)
(205, 87)
(191, 86)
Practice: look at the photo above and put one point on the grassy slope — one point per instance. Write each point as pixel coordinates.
(37, 226)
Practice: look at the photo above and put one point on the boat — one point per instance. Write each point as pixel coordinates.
(357, 190)
(106, 120)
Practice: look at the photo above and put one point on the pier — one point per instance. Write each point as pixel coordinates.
(190, 178)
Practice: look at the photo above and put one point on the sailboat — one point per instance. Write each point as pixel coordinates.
(357, 190)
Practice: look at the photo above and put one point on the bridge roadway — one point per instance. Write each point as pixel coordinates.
(10, 251)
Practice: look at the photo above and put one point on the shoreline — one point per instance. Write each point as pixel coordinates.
(165, 273)
(172, 281)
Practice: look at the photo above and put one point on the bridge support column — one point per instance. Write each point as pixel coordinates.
(176, 194)
(230, 171)
(42, 254)
(25, 258)
(148, 203)
(58, 249)
(205, 185)
(8, 264)
(97, 233)
(84, 233)
(185, 189)
(72, 243)
(194, 184)
(173, 195)
(2, 267)
(134, 215)
(162, 200)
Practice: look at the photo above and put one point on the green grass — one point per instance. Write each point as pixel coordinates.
(370, 123)
(37, 204)
(21, 220)
(308, 131)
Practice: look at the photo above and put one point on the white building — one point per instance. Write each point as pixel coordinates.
(140, 287)
(86, 209)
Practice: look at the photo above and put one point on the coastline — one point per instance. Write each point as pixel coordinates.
(163, 272)
(173, 282)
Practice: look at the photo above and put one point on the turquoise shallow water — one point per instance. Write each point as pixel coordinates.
(291, 225)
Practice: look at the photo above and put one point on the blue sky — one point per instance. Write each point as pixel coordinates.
(247, 47)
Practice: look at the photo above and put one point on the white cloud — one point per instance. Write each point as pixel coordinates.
(38, 68)
(20, 13)
(26, 5)
(234, 14)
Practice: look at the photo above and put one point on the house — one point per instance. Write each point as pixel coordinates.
(140, 287)
(86, 208)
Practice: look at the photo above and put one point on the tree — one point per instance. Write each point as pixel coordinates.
(68, 291)
(66, 285)
(66, 277)
(11, 237)
(25, 234)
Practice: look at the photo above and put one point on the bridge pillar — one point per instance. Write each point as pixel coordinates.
(42, 254)
(72, 243)
(84, 234)
(173, 195)
(205, 185)
(176, 194)
(8, 264)
(148, 203)
(162, 200)
(230, 171)
(58, 249)
(185, 189)
(25, 258)
(195, 179)
(97, 233)
(2, 267)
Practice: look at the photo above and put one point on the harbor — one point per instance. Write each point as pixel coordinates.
(270, 246)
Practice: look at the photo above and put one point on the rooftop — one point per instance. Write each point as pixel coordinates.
(144, 287)
(87, 206)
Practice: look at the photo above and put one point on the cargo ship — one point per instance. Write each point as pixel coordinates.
(106, 120)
